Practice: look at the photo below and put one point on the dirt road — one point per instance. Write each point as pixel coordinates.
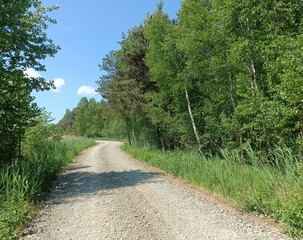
(105, 194)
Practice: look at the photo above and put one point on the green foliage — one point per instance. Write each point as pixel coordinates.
(114, 128)
(127, 80)
(23, 45)
(223, 74)
(16, 113)
(13, 214)
(271, 190)
(293, 214)
(25, 182)
(87, 119)
(166, 108)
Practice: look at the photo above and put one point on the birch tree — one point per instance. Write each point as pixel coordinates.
(166, 63)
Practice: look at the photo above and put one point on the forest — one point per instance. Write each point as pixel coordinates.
(214, 95)
(92, 119)
(223, 74)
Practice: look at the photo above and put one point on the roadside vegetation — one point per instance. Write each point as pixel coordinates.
(24, 183)
(275, 189)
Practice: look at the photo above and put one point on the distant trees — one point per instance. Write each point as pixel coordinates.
(23, 44)
(91, 119)
(223, 74)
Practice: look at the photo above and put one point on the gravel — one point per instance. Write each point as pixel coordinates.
(105, 194)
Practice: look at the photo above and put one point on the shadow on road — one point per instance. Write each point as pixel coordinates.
(74, 184)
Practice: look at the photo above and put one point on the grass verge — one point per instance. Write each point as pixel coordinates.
(24, 183)
(275, 190)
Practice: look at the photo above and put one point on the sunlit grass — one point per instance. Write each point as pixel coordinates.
(24, 183)
(274, 189)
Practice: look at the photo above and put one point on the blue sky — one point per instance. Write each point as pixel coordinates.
(86, 31)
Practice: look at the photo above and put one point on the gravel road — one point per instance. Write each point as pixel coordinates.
(105, 194)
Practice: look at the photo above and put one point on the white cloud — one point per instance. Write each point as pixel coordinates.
(86, 90)
(58, 82)
(31, 73)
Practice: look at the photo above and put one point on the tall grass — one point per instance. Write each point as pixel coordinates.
(23, 184)
(274, 189)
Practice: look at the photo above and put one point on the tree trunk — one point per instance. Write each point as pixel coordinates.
(193, 123)
(231, 92)
(253, 82)
(128, 133)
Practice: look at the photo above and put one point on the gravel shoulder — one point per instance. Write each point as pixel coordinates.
(105, 194)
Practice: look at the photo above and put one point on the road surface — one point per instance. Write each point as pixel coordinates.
(105, 194)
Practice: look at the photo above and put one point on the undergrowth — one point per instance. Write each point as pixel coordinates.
(274, 189)
(24, 183)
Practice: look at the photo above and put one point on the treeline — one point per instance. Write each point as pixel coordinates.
(223, 74)
(92, 119)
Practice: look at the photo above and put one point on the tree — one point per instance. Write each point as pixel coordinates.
(166, 63)
(263, 36)
(117, 90)
(87, 119)
(203, 40)
(66, 123)
(36, 136)
(223, 74)
(23, 44)
(127, 80)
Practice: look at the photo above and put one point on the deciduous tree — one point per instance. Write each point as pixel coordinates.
(23, 44)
